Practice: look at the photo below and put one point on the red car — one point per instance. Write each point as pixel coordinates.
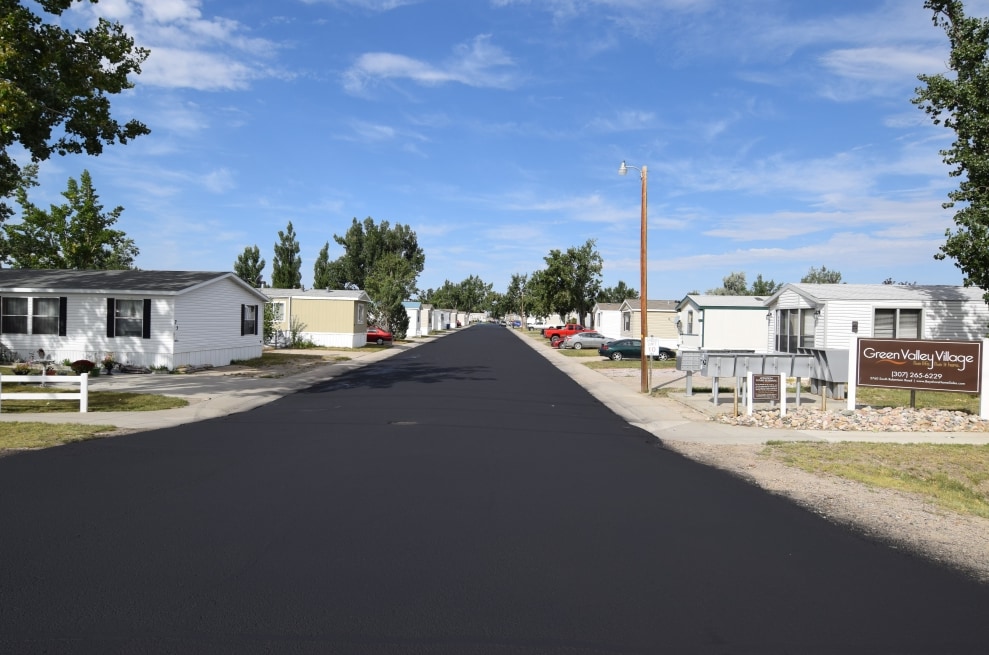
(377, 335)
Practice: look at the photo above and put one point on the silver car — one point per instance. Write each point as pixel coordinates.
(585, 340)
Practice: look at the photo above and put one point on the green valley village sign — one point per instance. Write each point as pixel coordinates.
(957, 366)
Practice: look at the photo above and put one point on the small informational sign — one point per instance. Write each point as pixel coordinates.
(652, 346)
(915, 364)
(765, 388)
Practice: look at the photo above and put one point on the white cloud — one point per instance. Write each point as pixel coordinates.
(477, 63)
(189, 50)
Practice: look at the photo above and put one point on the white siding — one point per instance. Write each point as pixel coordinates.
(336, 339)
(206, 327)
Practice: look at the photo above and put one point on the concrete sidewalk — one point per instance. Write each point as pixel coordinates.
(679, 417)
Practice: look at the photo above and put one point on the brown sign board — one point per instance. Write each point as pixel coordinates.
(917, 364)
(765, 388)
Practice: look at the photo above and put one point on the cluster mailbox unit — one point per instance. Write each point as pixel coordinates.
(734, 364)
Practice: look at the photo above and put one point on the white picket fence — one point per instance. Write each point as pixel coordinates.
(82, 395)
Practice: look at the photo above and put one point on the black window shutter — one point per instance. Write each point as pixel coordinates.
(63, 315)
(147, 319)
(257, 318)
(111, 306)
(243, 308)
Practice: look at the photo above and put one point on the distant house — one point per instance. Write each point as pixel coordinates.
(710, 322)
(419, 318)
(144, 318)
(827, 315)
(327, 318)
(443, 319)
(608, 319)
(661, 319)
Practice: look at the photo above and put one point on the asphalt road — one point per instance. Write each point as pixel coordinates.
(464, 497)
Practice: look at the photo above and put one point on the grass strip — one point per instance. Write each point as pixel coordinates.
(26, 435)
(954, 476)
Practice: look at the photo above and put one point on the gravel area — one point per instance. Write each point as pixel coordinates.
(901, 520)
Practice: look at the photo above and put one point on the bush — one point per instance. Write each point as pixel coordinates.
(21, 368)
(81, 366)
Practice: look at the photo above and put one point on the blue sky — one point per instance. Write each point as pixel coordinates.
(778, 134)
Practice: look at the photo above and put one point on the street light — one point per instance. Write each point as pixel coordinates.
(644, 295)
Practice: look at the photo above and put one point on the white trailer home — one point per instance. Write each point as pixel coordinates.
(144, 318)
(709, 322)
(826, 315)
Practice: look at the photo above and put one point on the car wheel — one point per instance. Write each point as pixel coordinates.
(554, 339)
(380, 341)
(663, 356)
(577, 346)
(616, 356)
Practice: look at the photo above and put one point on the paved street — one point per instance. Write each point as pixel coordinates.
(463, 497)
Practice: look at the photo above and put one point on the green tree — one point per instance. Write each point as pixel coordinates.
(514, 299)
(75, 235)
(387, 287)
(322, 276)
(731, 285)
(475, 295)
(961, 103)
(250, 266)
(55, 85)
(618, 293)
(763, 287)
(366, 243)
(573, 279)
(286, 266)
(821, 276)
(382, 260)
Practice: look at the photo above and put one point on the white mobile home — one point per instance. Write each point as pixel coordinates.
(709, 322)
(608, 319)
(143, 318)
(824, 316)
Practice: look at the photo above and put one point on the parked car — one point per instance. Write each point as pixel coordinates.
(585, 340)
(630, 349)
(377, 335)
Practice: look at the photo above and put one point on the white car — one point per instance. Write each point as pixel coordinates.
(585, 340)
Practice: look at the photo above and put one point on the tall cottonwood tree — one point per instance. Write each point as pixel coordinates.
(572, 279)
(55, 86)
(383, 260)
(250, 266)
(286, 265)
(960, 102)
(76, 235)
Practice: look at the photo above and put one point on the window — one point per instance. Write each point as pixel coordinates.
(248, 319)
(896, 324)
(795, 329)
(14, 312)
(44, 316)
(690, 322)
(360, 313)
(128, 318)
(277, 311)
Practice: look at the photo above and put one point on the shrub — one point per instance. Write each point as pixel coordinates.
(81, 366)
(21, 368)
